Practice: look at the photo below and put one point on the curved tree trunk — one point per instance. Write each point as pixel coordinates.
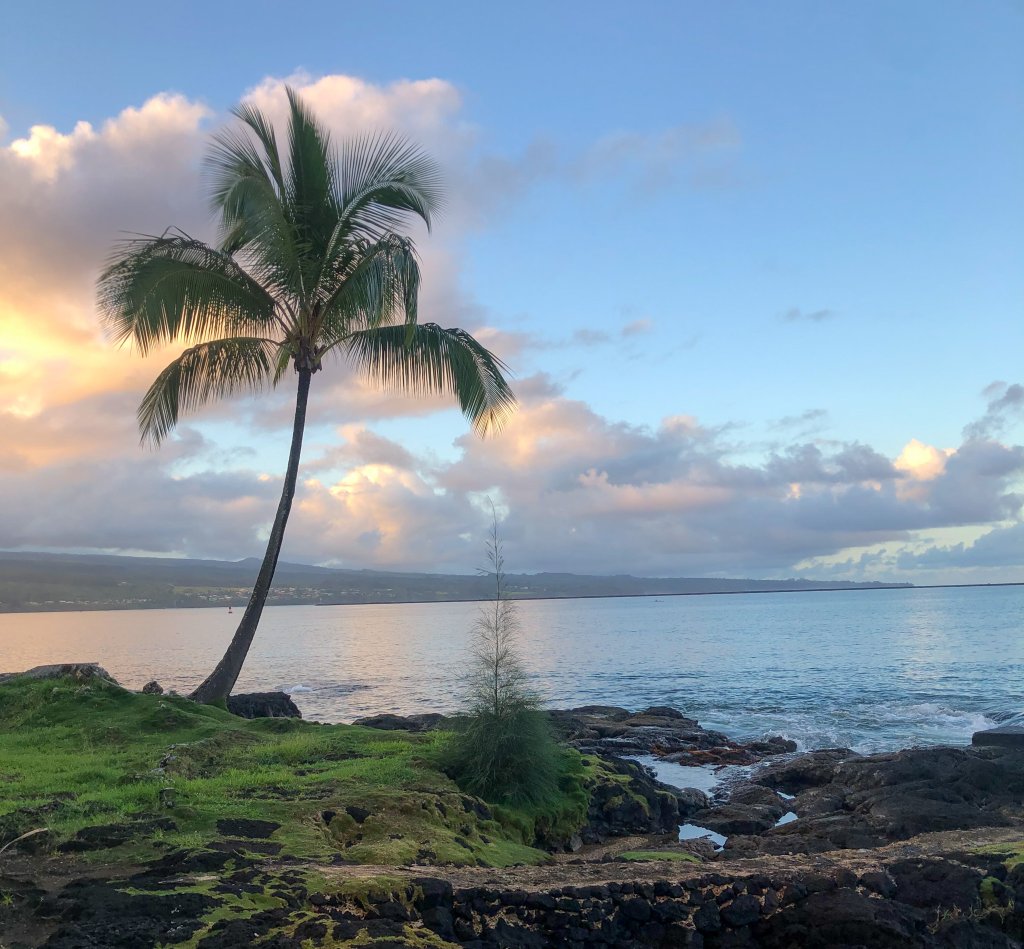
(218, 685)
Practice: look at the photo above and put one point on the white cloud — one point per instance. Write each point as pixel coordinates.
(581, 491)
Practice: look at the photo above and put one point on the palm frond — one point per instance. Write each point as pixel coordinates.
(282, 360)
(263, 129)
(375, 284)
(248, 191)
(311, 179)
(200, 374)
(157, 290)
(383, 179)
(426, 358)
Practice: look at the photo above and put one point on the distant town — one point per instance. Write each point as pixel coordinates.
(38, 582)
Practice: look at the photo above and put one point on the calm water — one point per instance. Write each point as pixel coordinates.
(876, 669)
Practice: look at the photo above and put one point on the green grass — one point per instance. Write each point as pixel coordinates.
(674, 856)
(1012, 852)
(79, 755)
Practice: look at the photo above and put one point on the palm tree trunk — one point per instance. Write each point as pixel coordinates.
(217, 687)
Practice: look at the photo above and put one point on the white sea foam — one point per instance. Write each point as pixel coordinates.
(871, 727)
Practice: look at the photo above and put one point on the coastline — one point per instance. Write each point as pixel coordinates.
(109, 607)
(913, 848)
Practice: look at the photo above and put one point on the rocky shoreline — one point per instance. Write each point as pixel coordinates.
(922, 847)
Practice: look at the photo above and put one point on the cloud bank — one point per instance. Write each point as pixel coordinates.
(582, 492)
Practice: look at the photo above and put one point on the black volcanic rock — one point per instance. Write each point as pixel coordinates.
(810, 770)
(388, 721)
(660, 731)
(263, 705)
(876, 799)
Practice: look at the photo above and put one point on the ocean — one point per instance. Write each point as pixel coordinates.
(871, 670)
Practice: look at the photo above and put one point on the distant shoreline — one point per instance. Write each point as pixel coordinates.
(105, 608)
(629, 596)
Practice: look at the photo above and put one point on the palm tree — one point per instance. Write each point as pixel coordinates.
(310, 263)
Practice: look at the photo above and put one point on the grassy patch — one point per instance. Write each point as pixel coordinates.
(672, 856)
(1012, 853)
(76, 756)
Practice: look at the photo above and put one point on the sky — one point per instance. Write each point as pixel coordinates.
(758, 270)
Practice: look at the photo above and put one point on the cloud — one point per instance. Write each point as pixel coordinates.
(66, 196)
(796, 315)
(803, 426)
(637, 327)
(1005, 403)
(361, 447)
(999, 547)
(581, 491)
(589, 337)
(699, 153)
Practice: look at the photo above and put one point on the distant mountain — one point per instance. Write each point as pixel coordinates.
(46, 582)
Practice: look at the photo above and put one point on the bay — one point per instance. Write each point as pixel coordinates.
(872, 670)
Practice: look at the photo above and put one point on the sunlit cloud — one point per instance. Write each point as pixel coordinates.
(576, 489)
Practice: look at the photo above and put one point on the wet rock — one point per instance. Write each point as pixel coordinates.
(691, 800)
(730, 819)
(153, 688)
(760, 796)
(1006, 736)
(871, 800)
(810, 770)
(772, 745)
(263, 705)
(660, 731)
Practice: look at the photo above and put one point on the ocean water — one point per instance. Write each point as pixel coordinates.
(871, 670)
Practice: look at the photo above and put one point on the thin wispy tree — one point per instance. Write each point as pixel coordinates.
(311, 262)
(503, 749)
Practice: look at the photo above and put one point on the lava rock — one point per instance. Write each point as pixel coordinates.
(810, 770)
(263, 705)
(730, 819)
(246, 827)
(692, 800)
(1006, 736)
(409, 723)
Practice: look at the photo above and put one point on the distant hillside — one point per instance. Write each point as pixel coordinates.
(46, 582)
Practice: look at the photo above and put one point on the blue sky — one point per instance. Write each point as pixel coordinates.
(796, 223)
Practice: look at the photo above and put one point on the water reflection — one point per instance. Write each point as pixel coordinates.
(868, 669)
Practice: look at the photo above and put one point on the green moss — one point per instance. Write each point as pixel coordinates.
(413, 937)
(1011, 852)
(675, 856)
(987, 889)
(79, 755)
(596, 771)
